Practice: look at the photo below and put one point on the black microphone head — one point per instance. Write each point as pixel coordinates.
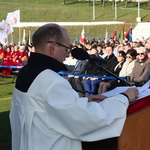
(79, 54)
(97, 59)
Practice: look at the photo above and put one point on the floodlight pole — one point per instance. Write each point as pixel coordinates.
(115, 9)
(138, 19)
(93, 9)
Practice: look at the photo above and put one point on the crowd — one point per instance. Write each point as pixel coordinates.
(126, 59)
(13, 55)
(130, 60)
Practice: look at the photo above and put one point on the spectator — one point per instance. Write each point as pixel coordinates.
(7, 61)
(140, 73)
(126, 47)
(148, 52)
(76, 81)
(23, 55)
(108, 85)
(2, 53)
(70, 62)
(128, 66)
(91, 69)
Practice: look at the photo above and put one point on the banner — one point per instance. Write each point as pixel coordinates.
(2, 32)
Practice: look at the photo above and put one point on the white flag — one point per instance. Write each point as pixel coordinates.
(13, 17)
(2, 32)
(8, 28)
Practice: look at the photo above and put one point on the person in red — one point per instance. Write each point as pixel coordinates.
(15, 54)
(19, 57)
(2, 53)
(23, 55)
(7, 61)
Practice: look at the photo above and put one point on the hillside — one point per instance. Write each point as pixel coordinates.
(73, 11)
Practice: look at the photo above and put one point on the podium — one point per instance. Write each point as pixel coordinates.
(135, 134)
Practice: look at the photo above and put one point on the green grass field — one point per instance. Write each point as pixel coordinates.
(74, 11)
(55, 11)
(6, 88)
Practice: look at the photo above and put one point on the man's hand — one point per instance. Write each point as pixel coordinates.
(96, 98)
(132, 93)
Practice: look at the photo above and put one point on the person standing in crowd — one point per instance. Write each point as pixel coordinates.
(47, 114)
(140, 73)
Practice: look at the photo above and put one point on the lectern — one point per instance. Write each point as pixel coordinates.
(136, 130)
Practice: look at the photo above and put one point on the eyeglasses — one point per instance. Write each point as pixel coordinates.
(128, 57)
(68, 49)
(140, 53)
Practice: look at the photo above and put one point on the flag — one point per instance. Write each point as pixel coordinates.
(106, 37)
(128, 35)
(13, 17)
(114, 37)
(24, 37)
(2, 32)
(121, 35)
(8, 28)
(83, 36)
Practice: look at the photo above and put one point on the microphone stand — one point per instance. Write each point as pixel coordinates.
(122, 80)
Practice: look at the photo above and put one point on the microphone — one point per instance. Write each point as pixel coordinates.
(81, 54)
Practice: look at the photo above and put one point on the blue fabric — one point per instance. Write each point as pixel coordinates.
(91, 87)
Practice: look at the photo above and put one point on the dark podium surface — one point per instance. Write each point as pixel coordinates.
(135, 134)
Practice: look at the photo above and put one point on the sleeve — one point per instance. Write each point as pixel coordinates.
(79, 119)
(144, 73)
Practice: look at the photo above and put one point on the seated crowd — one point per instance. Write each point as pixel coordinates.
(13, 55)
(130, 60)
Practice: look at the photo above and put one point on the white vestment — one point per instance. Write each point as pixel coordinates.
(51, 116)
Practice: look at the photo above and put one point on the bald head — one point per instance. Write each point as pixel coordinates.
(48, 32)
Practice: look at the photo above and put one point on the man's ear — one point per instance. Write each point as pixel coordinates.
(52, 48)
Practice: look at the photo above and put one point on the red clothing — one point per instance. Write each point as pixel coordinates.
(23, 56)
(2, 53)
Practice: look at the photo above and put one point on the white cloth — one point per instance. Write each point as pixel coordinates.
(51, 116)
(127, 68)
(70, 61)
